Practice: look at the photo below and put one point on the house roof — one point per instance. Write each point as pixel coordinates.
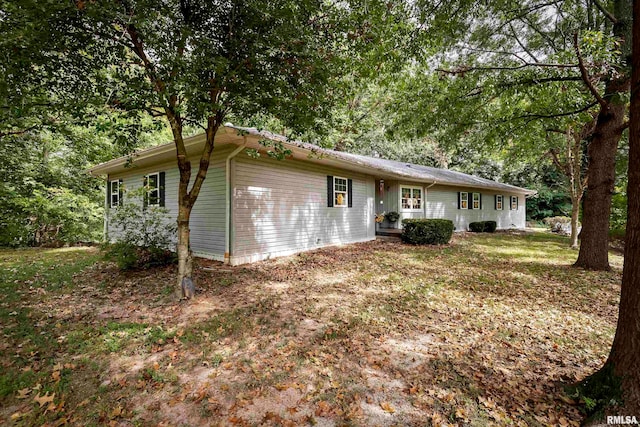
(399, 169)
(230, 134)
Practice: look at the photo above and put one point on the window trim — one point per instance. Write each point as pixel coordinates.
(411, 187)
(149, 189)
(466, 193)
(345, 193)
(500, 200)
(473, 202)
(512, 200)
(112, 193)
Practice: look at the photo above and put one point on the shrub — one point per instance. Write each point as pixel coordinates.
(483, 226)
(392, 216)
(427, 231)
(143, 237)
(558, 224)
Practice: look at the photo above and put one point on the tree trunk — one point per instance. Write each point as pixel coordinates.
(575, 214)
(594, 247)
(625, 352)
(183, 249)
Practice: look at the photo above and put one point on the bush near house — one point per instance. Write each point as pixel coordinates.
(145, 236)
(483, 227)
(427, 231)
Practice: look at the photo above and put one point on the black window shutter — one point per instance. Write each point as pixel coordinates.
(120, 192)
(161, 189)
(145, 198)
(495, 202)
(329, 191)
(459, 199)
(480, 195)
(350, 193)
(469, 200)
(108, 192)
(517, 202)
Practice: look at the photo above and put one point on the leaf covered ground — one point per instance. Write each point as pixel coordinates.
(484, 331)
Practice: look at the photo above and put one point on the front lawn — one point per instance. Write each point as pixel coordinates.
(484, 331)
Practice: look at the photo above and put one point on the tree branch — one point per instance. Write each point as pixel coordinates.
(606, 13)
(17, 132)
(551, 116)
(463, 70)
(585, 76)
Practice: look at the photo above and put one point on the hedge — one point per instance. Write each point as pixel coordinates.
(427, 231)
(483, 226)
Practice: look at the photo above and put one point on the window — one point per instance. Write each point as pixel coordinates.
(476, 201)
(340, 193)
(498, 202)
(464, 200)
(115, 193)
(152, 184)
(514, 203)
(411, 198)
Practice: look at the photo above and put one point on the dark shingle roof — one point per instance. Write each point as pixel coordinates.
(399, 169)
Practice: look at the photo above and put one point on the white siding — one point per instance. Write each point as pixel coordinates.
(207, 222)
(442, 202)
(280, 207)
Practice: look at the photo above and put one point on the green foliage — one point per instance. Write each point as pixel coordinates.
(619, 211)
(598, 392)
(45, 199)
(483, 227)
(427, 231)
(392, 216)
(144, 236)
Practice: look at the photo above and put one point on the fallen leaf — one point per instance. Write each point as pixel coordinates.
(23, 394)
(42, 400)
(116, 412)
(386, 406)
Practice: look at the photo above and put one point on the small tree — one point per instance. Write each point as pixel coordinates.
(199, 63)
(569, 161)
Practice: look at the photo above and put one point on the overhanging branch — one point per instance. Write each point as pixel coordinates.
(585, 75)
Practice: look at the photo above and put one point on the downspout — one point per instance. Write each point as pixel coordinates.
(105, 222)
(227, 207)
(424, 205)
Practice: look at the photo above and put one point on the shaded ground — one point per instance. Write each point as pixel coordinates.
(481, 332)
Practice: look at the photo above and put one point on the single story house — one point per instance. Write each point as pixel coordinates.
(251, 209)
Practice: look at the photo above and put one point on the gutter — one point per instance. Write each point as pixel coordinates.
(227, 207)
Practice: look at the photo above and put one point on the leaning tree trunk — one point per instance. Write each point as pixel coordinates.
(594, 247)
(625, 351)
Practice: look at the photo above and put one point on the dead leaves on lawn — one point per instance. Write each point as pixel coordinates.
(367, 334)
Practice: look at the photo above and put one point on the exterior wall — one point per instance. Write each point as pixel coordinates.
(207, 221)
(442, 202)
(280, 208)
